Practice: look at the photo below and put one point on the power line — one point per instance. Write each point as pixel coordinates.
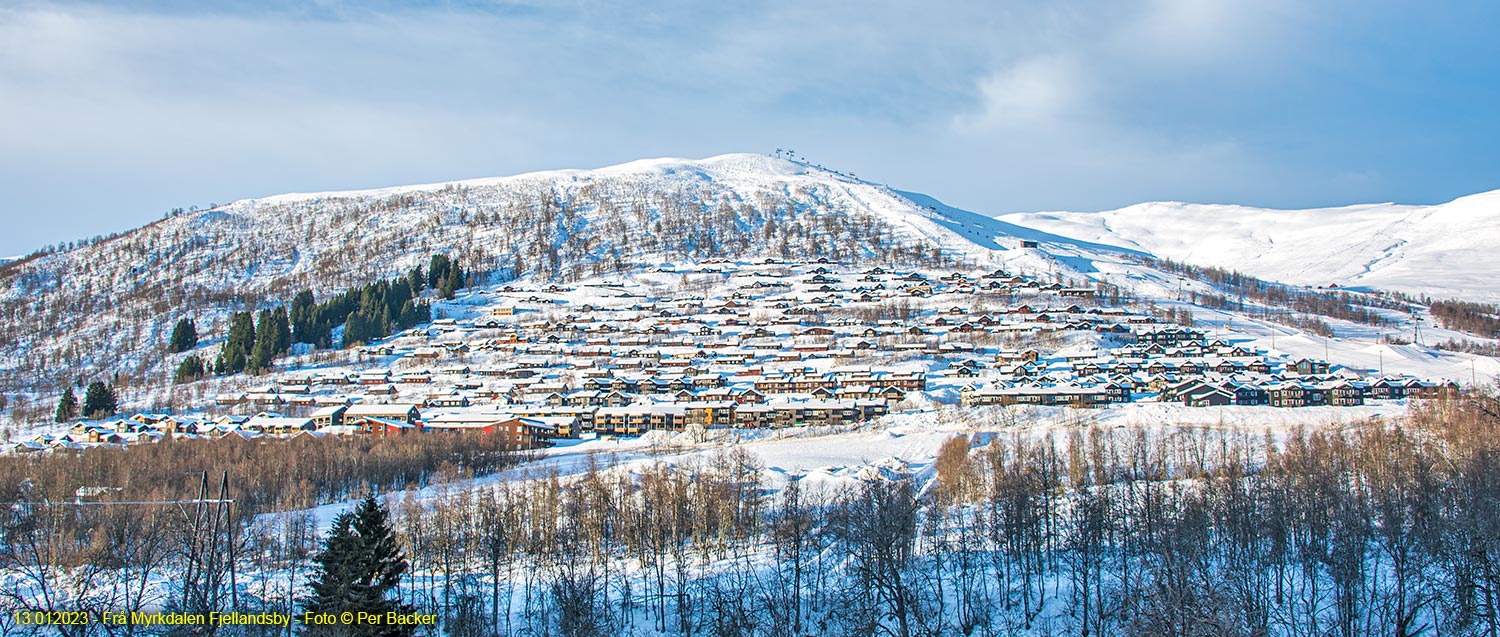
(122, 503)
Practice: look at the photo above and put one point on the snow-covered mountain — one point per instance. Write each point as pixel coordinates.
(1444, 250)
(107, 306)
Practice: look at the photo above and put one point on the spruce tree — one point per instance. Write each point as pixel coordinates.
(99, 401)
(303, 318)
(67, 406)
(264, 350)
(453, 279)
(184, 336)
(408, 316)
(235, 352)
(436, 270)
(359, 569)
(355, 331)
(327, 319)
(415, 279)
(281, 330)
(373, 308)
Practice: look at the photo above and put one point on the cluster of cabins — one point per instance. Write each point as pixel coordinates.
(1300, 391)
(516, 432)
(755, 345)
(1211, 373)
(1179, 364)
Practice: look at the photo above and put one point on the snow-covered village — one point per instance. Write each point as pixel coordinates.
(773, 319)
(528, 430)
(760, 345)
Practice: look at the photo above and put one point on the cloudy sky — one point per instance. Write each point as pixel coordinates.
(112, 113)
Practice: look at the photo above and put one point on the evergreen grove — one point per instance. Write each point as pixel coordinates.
(367, 313)
(375, 310)
(99, 401)
(255, 342)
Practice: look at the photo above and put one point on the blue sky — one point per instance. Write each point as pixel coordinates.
(112, 113)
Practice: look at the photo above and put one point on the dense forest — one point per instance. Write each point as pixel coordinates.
(1381, 528)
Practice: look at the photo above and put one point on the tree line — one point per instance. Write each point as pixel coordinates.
(1384, 528)
(1469, 347)
(1283, 301)
(308, 471)
(66, 548)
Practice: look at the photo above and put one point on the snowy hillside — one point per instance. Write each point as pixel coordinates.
(106, 306)
(1443, 250)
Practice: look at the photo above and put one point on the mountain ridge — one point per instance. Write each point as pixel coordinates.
(637, 166)
(1345, 249)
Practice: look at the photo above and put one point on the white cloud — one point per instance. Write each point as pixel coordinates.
(1039, 91)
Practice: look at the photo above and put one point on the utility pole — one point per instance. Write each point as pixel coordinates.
(210, 551)
(210, 544)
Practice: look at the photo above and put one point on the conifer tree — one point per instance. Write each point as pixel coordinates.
(184, 336)
(415, 279)
(453, 279)
(235, 352)
(436, 270)
(190, 369)
(355, 330)
(264, 350)
(303, 318)
(99, 401)
(67, 406)
(359, 569)
(409, 315)
(281, 330)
